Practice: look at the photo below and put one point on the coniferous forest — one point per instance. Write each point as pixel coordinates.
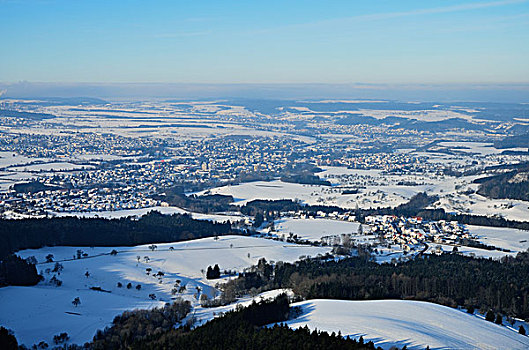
(242, 328)
(16, 271)
(71, 231)
(449, 279)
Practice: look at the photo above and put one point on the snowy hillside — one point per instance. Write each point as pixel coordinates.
(412, 323)
(502, 237)
(116, 214)
(378, 189)
(40, 312)
(314, 229)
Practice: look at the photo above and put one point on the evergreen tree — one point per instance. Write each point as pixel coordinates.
(216, 271)
(7, 340)
(499, 319)
(213, 273)
(258, 220)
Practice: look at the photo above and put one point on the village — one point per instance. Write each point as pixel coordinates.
(376, 233)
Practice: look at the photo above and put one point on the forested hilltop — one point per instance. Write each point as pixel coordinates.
(243, 328)
(449, 279)
(415, 207)
(16, 235)
(511, 185)
(72, 231)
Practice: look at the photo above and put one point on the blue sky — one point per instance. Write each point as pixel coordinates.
(306, 41)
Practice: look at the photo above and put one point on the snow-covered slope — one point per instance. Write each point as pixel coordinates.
(378, 189)
(502, 237)
(115, 214)
(314, 229)
(40, 312)
(412, 323)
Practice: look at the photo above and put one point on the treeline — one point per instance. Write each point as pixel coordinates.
(32, 186)
(415, 207)
(303, 173)
(263, 205)
(238, 329)
(7, 340)
(419, 201)
(449, 279)
(513, 141)
(305, 179)
(15, 271)
(25, 115)
(138, 325)
(512, 185)
(72, 231)
(214, 203)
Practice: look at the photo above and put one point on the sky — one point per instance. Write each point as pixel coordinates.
(265, 42)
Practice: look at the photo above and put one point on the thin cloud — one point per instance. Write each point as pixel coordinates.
(181, 34)
(391, 15)
(436, 10)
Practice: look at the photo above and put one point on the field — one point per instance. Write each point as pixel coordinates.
(376, 189)
(40, 312)
(314, 229)
(412, 323)
(115, 214)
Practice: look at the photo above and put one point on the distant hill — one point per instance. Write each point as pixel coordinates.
(413, 124)
(513, 141)
(63, 101)
(511, 185)
(25, 115)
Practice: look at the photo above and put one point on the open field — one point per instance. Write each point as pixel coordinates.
(412, 323)
(40, 312)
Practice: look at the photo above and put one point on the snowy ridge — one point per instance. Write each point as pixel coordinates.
(415, 324)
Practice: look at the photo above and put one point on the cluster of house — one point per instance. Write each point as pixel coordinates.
(75, 200)
(410, 232)
(130, 183)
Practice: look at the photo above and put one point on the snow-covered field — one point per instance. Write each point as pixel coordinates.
(373, 196)
(412, 323)
(314, 229)
(53, 166)
(8, 159)
(116, 214)
(469, 251)
(377, 189)
(482, 148)
(380, 190)
(502, 237)
(272, 190)
(40, 312)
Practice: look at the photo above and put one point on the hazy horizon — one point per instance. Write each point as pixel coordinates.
(506, 93)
